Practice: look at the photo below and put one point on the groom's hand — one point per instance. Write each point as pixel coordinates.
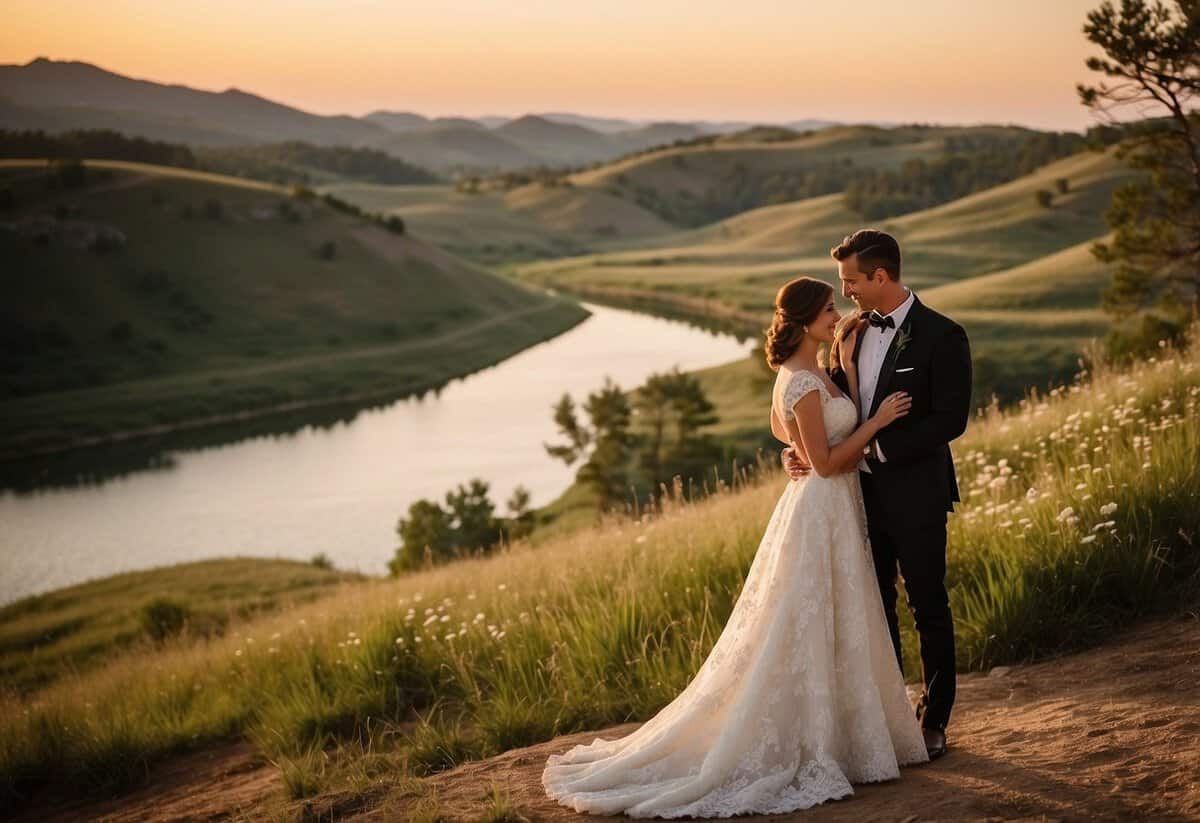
(793, 464)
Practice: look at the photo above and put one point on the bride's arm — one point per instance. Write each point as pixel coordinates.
(809, 428)
(846, 338)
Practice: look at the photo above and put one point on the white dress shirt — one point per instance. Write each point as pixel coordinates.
(871, 354)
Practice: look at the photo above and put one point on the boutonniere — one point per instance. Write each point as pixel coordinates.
(903, 338)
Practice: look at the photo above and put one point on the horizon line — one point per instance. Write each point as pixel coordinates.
(633, 119)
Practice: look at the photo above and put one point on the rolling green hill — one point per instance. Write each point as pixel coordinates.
(1017, 275)
(718, 176)
(144, 298)
(534, 221)
(742, 260)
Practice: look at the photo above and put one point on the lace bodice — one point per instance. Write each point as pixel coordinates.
(840, 414)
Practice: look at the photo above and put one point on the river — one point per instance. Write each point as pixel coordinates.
(339, 485)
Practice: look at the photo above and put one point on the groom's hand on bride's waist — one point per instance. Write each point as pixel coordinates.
(794, 465)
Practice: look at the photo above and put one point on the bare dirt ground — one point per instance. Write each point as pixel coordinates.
(1110, 734)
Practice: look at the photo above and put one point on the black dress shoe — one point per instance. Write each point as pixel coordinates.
(935, 742)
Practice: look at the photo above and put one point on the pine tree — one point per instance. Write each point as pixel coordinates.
(1152, 57)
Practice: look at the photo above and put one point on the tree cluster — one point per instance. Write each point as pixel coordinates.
(634, 444)
(288, 162)
(432, 533)
(970, 163)
(96, 144)
(283, 163)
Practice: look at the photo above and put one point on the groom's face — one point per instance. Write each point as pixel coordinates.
(855, 285)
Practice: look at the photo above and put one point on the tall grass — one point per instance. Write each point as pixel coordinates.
(1079, 516)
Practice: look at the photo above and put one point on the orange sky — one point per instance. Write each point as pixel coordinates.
(924, 60)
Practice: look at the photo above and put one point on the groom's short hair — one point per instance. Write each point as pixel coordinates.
(875, 249)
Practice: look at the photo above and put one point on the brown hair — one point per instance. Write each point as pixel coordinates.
(797, 304)
(875, 249)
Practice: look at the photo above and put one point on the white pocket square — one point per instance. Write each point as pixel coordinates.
(902, 371)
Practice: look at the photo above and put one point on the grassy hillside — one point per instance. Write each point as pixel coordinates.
(148, 297)
(534, 221)
(714, 177)
(1000, 237)
(1078, 517)
(742, 260)
(48, 636)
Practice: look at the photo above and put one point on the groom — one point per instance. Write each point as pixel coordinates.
(907, 476)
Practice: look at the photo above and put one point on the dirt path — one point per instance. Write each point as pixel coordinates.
(1111, 734)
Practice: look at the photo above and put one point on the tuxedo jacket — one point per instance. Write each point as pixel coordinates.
(930, 358)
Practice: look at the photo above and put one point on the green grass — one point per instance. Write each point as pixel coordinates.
(197, 319)
(48, 636)
(606, 625)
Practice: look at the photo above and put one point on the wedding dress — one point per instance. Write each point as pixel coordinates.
(800, 696)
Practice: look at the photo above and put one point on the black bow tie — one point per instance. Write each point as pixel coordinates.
(879, 321)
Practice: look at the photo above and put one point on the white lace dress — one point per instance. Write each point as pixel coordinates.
(801, 695)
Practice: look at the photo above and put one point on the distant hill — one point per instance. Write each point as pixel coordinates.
(452, 148)
(560, 144)
(141, 298)
(83, 90)
(397, 120)
(55, 96)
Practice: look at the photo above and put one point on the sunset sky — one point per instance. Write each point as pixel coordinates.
(945, 61)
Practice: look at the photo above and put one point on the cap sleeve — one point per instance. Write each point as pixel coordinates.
(800, 384)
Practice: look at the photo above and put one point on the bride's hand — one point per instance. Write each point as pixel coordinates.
(893, 407)
(847, 343)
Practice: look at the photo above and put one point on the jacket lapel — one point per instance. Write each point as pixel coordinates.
(888, 369)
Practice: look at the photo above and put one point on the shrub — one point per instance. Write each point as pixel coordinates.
(164, 617)
(1043, 197)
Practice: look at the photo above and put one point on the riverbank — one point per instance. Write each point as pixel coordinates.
(148, 300)
(321, 379)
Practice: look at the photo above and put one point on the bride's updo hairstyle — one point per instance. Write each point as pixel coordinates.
(797, 305)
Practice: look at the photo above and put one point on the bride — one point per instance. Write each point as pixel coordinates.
(801, 695)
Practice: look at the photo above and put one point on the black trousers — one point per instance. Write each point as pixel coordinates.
(919, 550)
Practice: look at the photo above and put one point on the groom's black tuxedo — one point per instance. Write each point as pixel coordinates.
(931, 360)
(908, 494)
